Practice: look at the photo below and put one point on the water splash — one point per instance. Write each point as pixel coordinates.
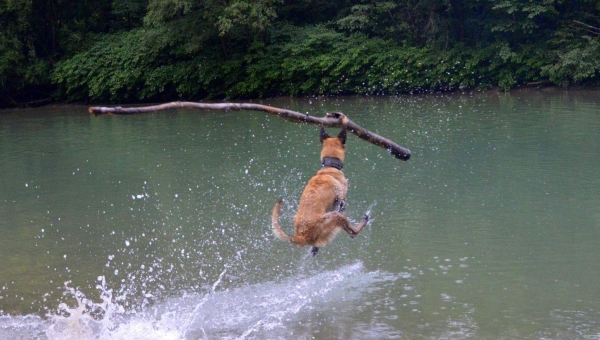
(370, 209)
(258, 310)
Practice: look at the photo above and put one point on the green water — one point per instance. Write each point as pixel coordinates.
(490, 230)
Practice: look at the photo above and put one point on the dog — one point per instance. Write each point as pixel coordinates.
(320, 212)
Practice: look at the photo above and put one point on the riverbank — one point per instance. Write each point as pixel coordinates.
(165, 50)
(545, 87)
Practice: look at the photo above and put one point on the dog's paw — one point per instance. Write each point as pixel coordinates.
(366, 218)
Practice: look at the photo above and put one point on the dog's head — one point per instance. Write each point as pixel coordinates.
(333, 146)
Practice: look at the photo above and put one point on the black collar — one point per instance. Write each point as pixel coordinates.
(332, 162)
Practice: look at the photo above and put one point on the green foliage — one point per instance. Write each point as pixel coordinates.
(161, 11)
(150, 50)
(521, 16)
(127, 15)
(317, 60)
(412, 21)
(128, 66)
(575, 65)
(34, 35)
(255, 14)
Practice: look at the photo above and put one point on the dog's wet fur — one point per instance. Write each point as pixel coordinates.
(320, 213)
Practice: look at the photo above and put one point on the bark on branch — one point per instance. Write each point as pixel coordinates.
(589, 28)
(330, 120)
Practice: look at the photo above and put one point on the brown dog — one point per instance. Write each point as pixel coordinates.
(319, 217)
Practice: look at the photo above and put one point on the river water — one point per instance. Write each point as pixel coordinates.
(157, 226)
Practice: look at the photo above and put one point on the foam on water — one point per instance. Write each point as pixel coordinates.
(246, 312)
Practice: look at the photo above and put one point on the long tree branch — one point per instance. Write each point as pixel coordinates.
(331, 120)
(589, 28)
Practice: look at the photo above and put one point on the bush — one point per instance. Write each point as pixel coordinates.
(576, 65)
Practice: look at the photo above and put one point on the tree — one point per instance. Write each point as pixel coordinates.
(148, 50)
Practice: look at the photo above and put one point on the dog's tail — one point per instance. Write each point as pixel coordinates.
(276, 226)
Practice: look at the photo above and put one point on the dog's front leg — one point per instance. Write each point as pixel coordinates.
(340, 221)
(353, 231)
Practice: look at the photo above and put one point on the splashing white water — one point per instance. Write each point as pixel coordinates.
(259, 310)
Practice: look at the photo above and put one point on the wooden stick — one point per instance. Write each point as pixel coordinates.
(330, 120)
(589, 28)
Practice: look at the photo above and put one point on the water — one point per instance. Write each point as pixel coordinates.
(158, 226)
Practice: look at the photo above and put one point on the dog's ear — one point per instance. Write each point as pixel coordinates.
(342, 135)
(324, 135)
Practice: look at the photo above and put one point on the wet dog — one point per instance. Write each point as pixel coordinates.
(320, 213)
